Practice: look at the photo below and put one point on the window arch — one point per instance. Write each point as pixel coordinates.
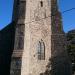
(41, 50)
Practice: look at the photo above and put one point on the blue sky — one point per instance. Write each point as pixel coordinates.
(6, 7)
(68, 18)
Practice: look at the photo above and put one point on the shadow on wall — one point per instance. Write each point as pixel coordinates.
(59, 63)
(6, 48)
(56, 66)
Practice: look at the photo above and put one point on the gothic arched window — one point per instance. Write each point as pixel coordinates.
(41, 50)
(49, 2)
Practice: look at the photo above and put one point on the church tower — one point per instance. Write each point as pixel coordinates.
(39, 47)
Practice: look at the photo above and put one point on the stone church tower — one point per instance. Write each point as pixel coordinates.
(39, 47)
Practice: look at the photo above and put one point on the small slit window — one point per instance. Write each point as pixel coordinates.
(41, 3)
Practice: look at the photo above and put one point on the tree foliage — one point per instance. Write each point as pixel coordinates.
(71, 47)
